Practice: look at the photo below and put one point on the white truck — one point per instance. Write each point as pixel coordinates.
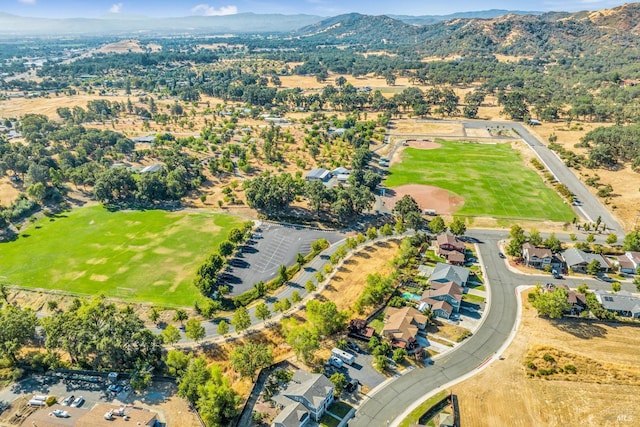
(347, 358)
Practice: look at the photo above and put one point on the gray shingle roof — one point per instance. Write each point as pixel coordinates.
(450, 273)
(622, 301)
(291, 415)
(575, 256)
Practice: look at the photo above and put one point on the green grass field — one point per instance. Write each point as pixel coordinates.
(492, 180)
(134, 255)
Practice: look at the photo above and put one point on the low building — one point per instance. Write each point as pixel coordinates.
(623, 303)
(402, 326)
(444, 273)
(156, 167)
(443, 299)
(305, 398)
(143, 139)
(450, 248)
(626, 264)
(577, 260)
(319, 174)
(577, 300)
(536, 257)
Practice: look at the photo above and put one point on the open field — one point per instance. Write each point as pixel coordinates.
(491, 178)
(350, 280)
(133, 255)
(505, 395)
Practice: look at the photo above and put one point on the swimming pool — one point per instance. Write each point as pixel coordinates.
(408, 295)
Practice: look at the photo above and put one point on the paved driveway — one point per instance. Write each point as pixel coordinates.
(273, 246)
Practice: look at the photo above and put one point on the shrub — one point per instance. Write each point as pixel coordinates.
(570, 369)
(548, 358)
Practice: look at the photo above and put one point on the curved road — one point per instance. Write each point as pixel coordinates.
(390, 402)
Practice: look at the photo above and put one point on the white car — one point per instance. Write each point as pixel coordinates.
(60, 413)
(67, 400)
(78, 401)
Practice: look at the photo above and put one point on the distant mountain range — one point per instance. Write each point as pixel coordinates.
(511, 34)
(242, 23)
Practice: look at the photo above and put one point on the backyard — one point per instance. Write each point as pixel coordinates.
(149, 256)
(491, 178)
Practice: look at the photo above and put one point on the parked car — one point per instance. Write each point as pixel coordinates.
(60, 413)
(338, 363)
(67, 400)
(556, 274)
(352, 385)
(78, 401)
(353, 346)
(115, 388)
(501, 255)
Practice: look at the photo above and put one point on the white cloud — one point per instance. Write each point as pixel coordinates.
(27, 1)
(206, 10)
(116, 8)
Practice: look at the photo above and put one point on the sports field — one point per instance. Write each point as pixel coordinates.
(134, 255)
(491, 178)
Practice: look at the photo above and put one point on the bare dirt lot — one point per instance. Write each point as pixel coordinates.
(428, 197)
(596, 395)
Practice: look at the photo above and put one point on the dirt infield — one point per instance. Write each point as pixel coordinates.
(428, 197)
(423, 144)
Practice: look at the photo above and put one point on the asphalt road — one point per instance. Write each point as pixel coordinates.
(589, 206)
(388, 403)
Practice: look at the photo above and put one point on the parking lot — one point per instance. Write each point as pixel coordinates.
(270, 247)
(94, 390)
(362, 368)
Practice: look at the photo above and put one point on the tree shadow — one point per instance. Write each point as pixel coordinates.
(580, 329)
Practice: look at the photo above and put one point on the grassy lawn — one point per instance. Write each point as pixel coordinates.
(491, 178)
(341, 409)
(328, 421)
(415, 415)
(134, 255)
(472, 298)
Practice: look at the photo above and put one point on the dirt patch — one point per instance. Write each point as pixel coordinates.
(8, 193)
(423, 144)
(506, 395)
(428, 197)
(421, 127)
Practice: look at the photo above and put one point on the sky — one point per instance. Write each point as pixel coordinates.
(175, 8)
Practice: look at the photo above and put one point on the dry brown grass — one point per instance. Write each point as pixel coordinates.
(8, 192)
(624, 181)
(349, 282)
(125, 46)
(505, 395)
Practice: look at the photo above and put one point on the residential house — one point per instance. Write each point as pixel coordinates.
(443, 299)
(623, 303)
(536, 257)
(402, 326)
(444, 273)
(156, 167)
(577, 300)
(450, 248)
(629, 262)
(319, 174)
(577, 260)
(144, 139)
(294, 415)
(305, 398)
(626, 264)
